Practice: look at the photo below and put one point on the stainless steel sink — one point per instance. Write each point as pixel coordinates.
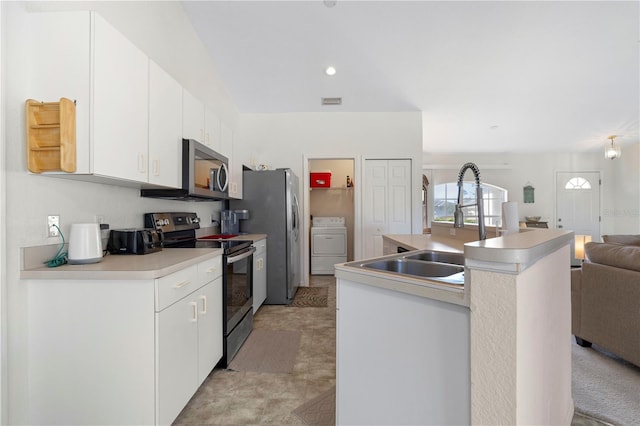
(416, 268)
(436, 266)
(435, 256)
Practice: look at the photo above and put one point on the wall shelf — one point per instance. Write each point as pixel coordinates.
(51, 136)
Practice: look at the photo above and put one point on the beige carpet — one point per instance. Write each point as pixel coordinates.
(268, 351)
(320, 411)
(310, 297)
(605, 386)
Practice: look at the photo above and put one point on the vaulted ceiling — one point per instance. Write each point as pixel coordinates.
(488, 76)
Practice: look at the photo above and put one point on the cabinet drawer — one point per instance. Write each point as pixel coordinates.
(174, 287)
(209, 270)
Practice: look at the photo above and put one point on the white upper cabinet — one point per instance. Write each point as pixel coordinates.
(131, 116)
(120, 96)
(192, 117)
(200, 123)
(212, 131)
(235, 168)
(165, 128)
(78, 55)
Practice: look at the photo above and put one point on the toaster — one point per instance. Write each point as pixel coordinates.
(134, 241)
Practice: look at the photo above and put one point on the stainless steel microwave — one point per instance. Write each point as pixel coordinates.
(205, 175)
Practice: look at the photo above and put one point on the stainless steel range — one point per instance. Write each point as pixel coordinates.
(179, 230)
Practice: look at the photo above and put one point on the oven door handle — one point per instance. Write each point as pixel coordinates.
(243, 255)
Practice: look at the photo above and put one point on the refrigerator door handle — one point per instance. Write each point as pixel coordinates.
(296, 214)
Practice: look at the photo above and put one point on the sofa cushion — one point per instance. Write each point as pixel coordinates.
(622, 239)
(616, 255)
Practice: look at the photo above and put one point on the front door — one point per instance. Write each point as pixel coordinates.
(578, 203)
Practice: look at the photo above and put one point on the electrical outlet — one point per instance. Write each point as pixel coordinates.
(52, 231)
(452, 231)
(98, 218)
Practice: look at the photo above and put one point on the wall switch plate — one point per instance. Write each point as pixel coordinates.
(52, 231)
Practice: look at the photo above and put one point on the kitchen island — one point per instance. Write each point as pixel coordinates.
(495, 350)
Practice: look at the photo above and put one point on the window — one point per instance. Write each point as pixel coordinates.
(577, 183)
(445, 198)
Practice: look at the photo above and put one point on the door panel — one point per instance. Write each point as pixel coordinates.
(578, 203)
(387, 202)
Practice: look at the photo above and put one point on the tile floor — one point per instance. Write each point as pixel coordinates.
(244, 398)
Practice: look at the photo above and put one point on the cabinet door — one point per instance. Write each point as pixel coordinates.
(209, 299)
(48, 33)
(192, 117)
(235, 167)
(120, 97)
(176, 358)
(259, 274)
(212, 131)
(165, 128)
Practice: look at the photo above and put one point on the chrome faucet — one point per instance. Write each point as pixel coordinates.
(458, 221)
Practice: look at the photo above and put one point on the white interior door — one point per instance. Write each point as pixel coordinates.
(578, 203)
(387, 202)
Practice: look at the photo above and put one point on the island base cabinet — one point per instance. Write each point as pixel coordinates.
(401, 359)
(91, 349)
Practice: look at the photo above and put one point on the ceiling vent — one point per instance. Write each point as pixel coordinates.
(331, 101)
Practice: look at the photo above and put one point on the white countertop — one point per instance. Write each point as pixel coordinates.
(126, 267)
(427, 242)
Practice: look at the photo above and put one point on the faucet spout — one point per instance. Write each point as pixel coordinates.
(458, 216)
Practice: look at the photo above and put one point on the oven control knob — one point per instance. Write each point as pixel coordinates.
(159, 222)
(196, 220)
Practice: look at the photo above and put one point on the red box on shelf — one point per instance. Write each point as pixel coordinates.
(320, 179)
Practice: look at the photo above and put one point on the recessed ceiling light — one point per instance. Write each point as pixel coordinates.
(330, 71)
(494, 127)
(330, 3)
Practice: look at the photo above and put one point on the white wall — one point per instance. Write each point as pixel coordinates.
(620, 194)
(286, 140)
(162, 31)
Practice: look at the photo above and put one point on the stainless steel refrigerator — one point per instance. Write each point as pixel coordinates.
(271, 196)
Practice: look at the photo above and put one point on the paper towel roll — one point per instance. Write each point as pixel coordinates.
(510, 223)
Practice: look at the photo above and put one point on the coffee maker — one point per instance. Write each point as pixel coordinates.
(230, 221)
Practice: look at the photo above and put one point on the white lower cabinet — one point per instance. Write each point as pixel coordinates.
(259, 274)
(105, 352)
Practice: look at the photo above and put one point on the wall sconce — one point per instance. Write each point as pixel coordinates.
(612, 151)
(580, 241)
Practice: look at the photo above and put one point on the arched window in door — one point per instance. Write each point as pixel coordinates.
(445, 197)
(577, 183)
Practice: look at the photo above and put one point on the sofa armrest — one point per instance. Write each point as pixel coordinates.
(576, 300)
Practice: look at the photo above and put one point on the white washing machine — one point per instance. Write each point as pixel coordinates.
(328, 244)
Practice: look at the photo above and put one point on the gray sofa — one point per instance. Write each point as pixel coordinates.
(605, 299)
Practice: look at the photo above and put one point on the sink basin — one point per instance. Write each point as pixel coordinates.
(434, 256)
(416, 268)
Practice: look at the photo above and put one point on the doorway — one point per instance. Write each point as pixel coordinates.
(578, 203)
(335, 199)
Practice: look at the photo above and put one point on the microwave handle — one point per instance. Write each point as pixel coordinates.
(223, 188)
